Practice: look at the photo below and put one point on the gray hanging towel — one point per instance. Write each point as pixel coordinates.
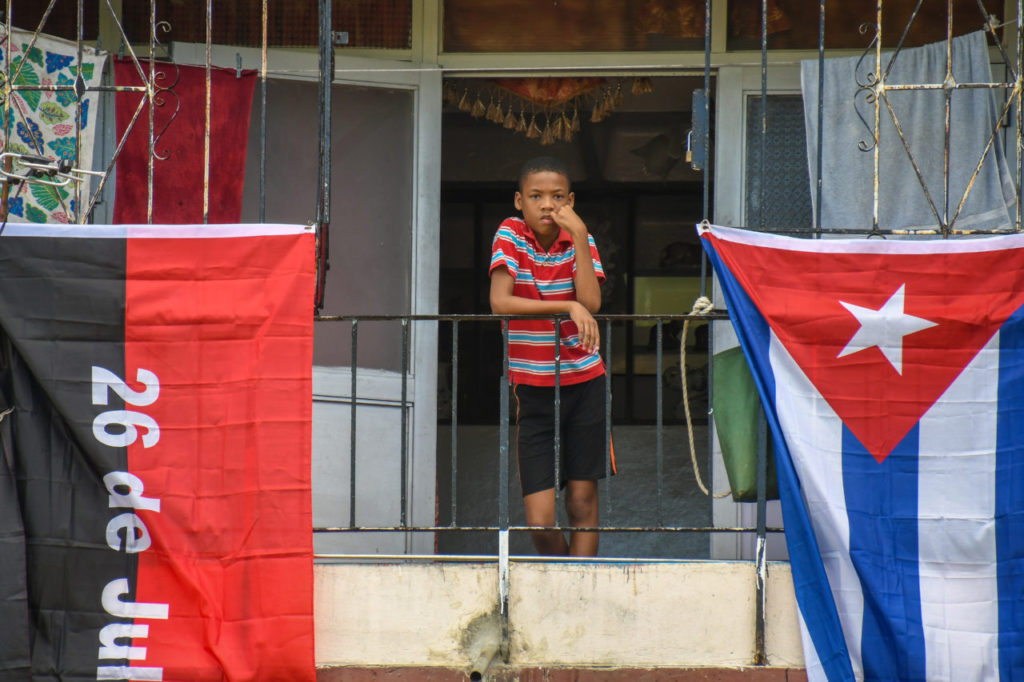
(848, 172)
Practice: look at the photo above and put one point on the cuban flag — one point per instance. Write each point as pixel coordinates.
(892, 373)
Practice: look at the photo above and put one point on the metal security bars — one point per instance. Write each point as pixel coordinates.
(157, 89)
(878, 93)
(501, 505)
(403, 326)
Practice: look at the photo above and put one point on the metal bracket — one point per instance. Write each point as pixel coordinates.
(339, 38)
(41, 170)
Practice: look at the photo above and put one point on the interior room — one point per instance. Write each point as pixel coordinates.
(640, 198)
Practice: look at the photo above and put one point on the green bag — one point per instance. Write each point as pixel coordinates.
(736, 408)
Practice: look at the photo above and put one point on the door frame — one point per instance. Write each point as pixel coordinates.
(734, 85)
(333, 384)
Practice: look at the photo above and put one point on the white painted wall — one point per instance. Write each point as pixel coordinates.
(563, 613)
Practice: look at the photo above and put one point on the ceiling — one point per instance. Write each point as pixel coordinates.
(641, 141)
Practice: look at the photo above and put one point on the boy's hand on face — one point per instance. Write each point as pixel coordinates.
(566, 218)
(590, 337)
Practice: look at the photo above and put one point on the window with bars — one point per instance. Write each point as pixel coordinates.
(384, 24)
(782, 192)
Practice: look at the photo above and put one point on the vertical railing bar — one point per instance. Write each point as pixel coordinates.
(119, 145)
(263, 115)
(821, 115)
(7, 111)
(81, 216)
(503, 503)
(5, 194)
(503, 433)
(323, 209)
(405, 417)
(608, 418)
(760, 656)
(151, 96)
(706, 181)
(658, 420)
(707, 117)
(558, 411)
(759, 581)
(763, 169)
(326, 79)
(879, 88)
(208, 120)
(455, 414)
(706, 215)
(1020, 101)
(948, 113)
(352, 426)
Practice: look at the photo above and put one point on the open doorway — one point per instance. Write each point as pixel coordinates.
(640, 198)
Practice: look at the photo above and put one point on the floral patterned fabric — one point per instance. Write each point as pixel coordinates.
(43, 122)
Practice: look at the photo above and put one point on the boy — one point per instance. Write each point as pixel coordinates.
(547, 263)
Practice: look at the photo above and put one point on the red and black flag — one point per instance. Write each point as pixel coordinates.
(155, 426)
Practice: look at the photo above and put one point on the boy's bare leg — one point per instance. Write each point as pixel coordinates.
(540, 511)
(581, 505)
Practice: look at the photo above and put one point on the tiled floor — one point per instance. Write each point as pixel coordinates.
(630, 499)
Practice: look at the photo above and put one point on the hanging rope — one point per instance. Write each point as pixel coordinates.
(702, 306)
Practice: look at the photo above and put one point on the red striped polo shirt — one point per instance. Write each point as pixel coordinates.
(543, 275)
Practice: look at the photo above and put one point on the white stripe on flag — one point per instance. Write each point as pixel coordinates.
(814, 436)
(812, 664)
(956, 528)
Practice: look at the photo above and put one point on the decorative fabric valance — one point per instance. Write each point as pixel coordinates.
(545, 109)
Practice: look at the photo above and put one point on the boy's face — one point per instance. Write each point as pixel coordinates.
(541, 195)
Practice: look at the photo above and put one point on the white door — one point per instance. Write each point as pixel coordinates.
(383, 246)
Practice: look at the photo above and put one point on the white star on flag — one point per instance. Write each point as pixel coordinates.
(884, 328)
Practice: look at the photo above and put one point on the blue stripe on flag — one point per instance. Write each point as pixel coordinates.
(1009, 490)
(881, 502)
(814, 597)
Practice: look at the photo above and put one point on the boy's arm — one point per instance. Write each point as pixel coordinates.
(504, 302)
(588, 289)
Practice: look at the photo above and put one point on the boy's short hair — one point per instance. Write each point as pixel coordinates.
(544, 164)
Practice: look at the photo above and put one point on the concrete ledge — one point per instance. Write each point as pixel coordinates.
(573, 615)
(748, 674)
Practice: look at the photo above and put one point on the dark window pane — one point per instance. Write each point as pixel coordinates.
(369, 23)
(787, 194)
(793, 24)
(573, 25)
(63, 19)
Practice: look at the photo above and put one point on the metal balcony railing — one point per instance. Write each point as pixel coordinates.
(501, 525)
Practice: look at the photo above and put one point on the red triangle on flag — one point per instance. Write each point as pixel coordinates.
(882, 334)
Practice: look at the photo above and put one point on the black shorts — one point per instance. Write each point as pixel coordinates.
(582, 426)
